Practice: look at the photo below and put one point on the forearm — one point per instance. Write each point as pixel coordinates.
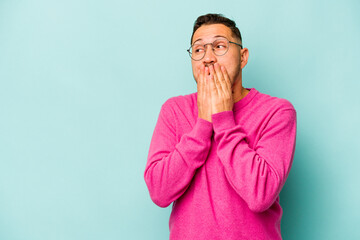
(256, 174)
(171, 167)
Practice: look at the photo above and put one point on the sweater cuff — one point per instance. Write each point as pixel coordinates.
(223, 120)
(203, 129)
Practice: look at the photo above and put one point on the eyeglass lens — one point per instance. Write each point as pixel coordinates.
(219, 46)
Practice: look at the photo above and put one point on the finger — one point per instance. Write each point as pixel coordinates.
(218, 72)
(205, 73)
(221, 80)
(212, 86)
(214, 79)
(208, 93)
(201, 84)
(206, 87)
(199, 80)
(227, 79)
(207, 84)
(205, 76)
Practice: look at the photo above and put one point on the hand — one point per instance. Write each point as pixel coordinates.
(204, 96)
(220, 89)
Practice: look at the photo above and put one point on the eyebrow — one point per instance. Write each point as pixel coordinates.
(214, 37)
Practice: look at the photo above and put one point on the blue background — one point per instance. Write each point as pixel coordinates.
(82, 83)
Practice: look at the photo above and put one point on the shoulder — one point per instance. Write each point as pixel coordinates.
(181, 102)
(273, 103)
(180, 111)
(274, 113)
(266, 108)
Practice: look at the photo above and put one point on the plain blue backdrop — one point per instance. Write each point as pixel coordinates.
(82, 83)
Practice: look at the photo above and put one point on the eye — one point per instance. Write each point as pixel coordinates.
(220, 45)
(198, 49)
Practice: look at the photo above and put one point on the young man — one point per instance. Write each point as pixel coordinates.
(221, 155)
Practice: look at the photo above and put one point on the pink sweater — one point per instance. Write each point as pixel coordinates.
(224, 177)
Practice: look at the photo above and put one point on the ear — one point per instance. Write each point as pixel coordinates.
(244, 57)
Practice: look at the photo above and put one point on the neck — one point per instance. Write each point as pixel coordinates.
(239, 92)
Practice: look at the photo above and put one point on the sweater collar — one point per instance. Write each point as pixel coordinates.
(246, 100)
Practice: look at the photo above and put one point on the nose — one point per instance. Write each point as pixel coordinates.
(210, 57)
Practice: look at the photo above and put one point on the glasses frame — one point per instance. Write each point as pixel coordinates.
(190, 54)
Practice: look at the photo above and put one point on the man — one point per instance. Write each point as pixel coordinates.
(221, 155)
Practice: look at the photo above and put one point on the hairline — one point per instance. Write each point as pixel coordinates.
(233, 35)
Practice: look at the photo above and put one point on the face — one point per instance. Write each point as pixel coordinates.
(234, 60)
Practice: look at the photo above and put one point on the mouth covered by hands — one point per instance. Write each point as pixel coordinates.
(214, 91)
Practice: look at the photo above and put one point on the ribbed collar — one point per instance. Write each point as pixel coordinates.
(246, 100)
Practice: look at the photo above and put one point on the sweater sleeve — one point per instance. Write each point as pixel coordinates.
(257, 174)
(171, 165)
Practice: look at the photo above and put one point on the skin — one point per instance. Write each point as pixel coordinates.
(218, 78)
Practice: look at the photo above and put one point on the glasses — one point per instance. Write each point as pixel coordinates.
(220, 47)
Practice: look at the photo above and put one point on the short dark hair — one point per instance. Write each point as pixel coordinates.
(213, 18)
